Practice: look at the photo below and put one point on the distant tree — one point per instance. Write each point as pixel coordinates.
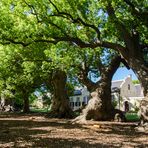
(136, 82)
(21, 76)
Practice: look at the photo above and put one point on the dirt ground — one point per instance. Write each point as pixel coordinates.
(18, 130)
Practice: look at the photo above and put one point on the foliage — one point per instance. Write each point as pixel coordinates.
(136, 82)
(114, 103)
(19, 73)
(49, 34)
(118, 25)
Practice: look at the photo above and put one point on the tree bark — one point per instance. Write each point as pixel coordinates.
(60, 107)
(100, 105)
(26, 108)
(134, 52)
(141, 70)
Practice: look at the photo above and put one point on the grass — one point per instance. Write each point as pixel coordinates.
(39, 110)
(132, 117)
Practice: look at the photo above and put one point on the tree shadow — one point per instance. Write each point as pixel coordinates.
(123, 130)
(34, 132)
(22, 133)
(68, 143)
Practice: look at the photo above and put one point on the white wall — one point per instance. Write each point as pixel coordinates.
(129, 92)
(127, 88)
(84, 97)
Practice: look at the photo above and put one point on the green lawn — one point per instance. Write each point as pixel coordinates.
(132, 117)
(42, 110)
(129, 116)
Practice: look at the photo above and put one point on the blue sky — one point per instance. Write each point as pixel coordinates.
(123, 72)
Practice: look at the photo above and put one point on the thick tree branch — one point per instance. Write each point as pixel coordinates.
(83, 78)
(113, 66)
(54, 6)
(125, 35)
(74, 40)
(74, 20)
(83, 44)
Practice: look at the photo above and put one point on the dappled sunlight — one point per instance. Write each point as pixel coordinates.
(47, 132)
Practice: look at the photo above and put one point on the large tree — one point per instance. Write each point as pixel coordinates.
(100, 105)
(119, 25)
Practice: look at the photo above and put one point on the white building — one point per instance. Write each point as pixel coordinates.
(81, 97)
(122, 91)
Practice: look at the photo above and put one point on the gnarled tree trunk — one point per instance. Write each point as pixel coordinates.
(141, 71)
(134, 49)
(60, 107)
(100, 105)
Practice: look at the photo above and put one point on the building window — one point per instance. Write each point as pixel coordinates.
(78, 104)
(126, 106)
(128, 86)
(83, 103)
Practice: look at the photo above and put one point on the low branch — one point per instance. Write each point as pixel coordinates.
(83, 78)
(74, 40)
(83, 44)
(113, 66)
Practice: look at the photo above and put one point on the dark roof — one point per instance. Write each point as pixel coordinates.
(115, 89)
(77, 92)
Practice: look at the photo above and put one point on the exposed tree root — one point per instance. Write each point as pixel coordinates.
(143, 113)
(80, 120)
